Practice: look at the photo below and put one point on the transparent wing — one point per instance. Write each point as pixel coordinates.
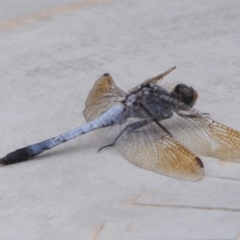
(148, 146)
(159, 77)
(154, 80)
(103, 95)
(204, 135)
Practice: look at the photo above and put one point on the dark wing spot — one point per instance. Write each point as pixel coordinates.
(199, 161)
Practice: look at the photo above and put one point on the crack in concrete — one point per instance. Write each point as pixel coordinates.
(97, 231)
(48, 13)
(133, 200)
(222, 178)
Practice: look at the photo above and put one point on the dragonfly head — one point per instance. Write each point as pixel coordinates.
(185, 94)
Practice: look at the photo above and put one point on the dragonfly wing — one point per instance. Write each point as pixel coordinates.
(153, 80)
(204, 135)
(148, 146)
(102, 96)
(159, 77)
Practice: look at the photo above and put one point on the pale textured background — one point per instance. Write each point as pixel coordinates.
(51, 54)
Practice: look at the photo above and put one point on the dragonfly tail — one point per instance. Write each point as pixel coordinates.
(33, 150)
(18, 155)
(106, 119)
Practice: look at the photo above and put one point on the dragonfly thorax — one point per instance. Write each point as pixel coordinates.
(136, 96)
(147, 97)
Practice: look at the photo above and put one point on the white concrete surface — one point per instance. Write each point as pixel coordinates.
(51, 54)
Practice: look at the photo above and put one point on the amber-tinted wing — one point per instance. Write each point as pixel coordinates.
(154, 80)
(148, 146)
(159, 77)
(204, 135)
(102, 96)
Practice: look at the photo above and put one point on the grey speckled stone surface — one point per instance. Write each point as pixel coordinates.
(51, 54)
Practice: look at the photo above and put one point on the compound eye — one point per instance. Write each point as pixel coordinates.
(179, 87)
(185, 94)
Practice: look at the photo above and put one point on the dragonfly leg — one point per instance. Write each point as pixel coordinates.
(163, 128)
(131, 127)
(187, 115)
(109, 145)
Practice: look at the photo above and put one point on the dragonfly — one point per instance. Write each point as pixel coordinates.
(153, 128)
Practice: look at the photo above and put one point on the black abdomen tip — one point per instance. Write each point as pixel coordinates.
(106, 74)
(19, 155)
